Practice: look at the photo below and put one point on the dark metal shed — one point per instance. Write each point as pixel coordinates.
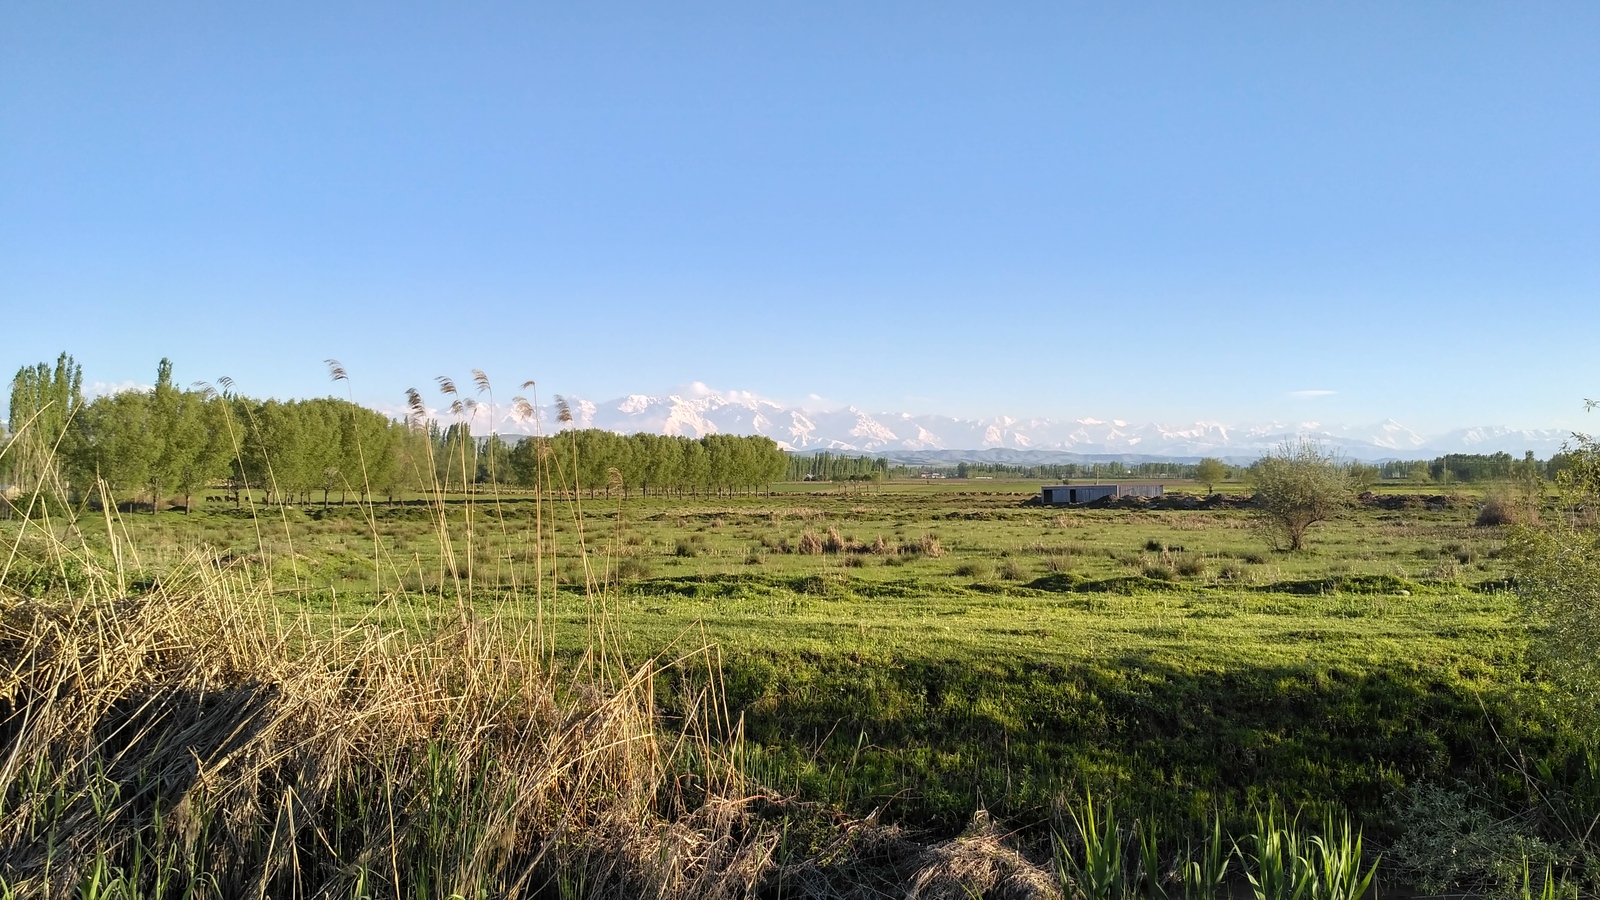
(1066, 494)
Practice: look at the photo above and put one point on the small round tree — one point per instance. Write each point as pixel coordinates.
(1209, 471)
(1298, 485)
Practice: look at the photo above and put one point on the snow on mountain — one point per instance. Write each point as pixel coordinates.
(1494, 438)
(697, 410)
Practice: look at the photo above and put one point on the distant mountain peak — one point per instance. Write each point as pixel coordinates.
(696, 410)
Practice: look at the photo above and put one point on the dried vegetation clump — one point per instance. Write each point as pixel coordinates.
(179, 736)
(184, 734)
(1505, 509)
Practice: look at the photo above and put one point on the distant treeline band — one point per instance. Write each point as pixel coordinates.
(169, 441)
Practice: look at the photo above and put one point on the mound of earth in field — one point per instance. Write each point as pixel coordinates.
(1433, 502)
(1166, 501)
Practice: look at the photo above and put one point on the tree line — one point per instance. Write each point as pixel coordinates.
(1066, 471)
(169, 441)
(1478, 467)
(597, 460)
(1449, 469)
(826, 466)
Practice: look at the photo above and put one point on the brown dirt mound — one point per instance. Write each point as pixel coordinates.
(1431, 502)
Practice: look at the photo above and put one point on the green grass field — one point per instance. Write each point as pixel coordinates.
(910, 653)
(928, 648)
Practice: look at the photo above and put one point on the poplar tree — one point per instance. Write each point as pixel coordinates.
(44, 400)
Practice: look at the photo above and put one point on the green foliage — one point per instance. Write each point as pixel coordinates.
(1448, 840)
(1297, 486)
(44, 401)
(1557, 570)
(166, 439)
(1210, 472)
(1472, 467)
(1338, 861)
(827, 466)
(594, 460)
(1205, 873)
(1361, 475)
(1282, 860)
(1095, 871)
(1278, 861)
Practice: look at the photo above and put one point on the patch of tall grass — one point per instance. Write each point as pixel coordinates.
(1099, 859)
(177, 729)
(184, 730)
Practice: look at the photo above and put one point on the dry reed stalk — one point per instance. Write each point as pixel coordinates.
(192, 732)
(189, 725)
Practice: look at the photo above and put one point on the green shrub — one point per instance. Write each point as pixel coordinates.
(632, 568)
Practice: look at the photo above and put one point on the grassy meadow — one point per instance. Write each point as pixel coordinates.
(908, 654)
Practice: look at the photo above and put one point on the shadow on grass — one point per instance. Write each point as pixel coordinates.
(930, 739)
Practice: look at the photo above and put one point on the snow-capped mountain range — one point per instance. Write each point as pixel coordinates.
(697, 411)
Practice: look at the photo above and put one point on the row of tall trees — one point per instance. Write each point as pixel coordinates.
(595, 460)
(827, 466)
(1455, 467)
(1477, 467)
(169, 441)
(1111, 469)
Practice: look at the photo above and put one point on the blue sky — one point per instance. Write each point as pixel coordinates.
(1151, 211)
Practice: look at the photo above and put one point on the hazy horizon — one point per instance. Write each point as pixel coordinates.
(814, 403)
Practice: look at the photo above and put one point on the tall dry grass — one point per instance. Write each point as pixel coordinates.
(189, 739)
(184, 727)
(182, 730)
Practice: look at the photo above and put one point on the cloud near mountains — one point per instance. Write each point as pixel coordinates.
(698, 410)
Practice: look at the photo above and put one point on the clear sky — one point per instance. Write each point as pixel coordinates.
(1168, 212)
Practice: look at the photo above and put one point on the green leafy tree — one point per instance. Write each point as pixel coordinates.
(523, 462)
(173, 434)
(206, 445)
(1557, 568)
(1210, 472)
(1297, 486)
(696, 471)
(277, 457)
(113, 451)
(374, 457)
(409, 448)
(44, 400)
(1361, 475)
(494, 461)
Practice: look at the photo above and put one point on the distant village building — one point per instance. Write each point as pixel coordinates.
(1064, 494)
